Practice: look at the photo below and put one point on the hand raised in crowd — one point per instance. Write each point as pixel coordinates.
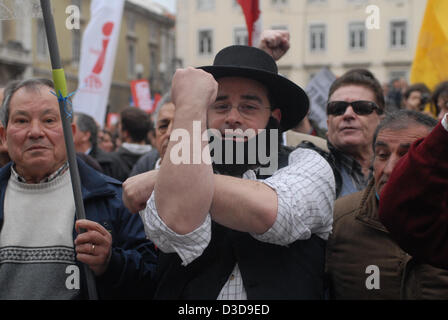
(93, 247)
(138, 189)
(275, 43)
(194, 88)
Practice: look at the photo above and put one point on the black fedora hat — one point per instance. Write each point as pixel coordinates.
(255, 64)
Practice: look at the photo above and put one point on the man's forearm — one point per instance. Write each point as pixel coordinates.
(183, 192)
(243, 205)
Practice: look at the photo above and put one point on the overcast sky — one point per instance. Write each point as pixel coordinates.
(170, 4)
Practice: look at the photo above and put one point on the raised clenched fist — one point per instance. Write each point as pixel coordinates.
(275, 43)
(193, 88)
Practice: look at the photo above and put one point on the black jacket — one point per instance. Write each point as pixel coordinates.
(111, 164)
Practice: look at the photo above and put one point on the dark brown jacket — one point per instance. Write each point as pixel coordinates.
(359, 240)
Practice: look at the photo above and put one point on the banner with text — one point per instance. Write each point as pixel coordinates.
(98, 50)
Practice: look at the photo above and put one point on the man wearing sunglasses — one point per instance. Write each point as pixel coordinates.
(355, 107)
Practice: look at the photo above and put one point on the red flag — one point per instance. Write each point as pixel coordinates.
(252, 13)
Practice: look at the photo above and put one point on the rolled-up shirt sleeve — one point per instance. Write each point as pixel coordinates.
(189, 247)
(306, 195)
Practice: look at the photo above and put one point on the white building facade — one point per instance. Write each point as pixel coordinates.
(324, 33)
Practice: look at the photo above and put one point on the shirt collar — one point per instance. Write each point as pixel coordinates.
(50, 178)
(348, 162)
(351, 166)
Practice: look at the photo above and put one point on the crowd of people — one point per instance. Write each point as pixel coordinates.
(361, 216)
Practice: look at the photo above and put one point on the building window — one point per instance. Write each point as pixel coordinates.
(205, 42)
(398, 74)
(131, 59)
(153, 63)
(153, 33)
(42, 46)
(357, 36)
(398, 34)
(279, 2)
(76, 45)
(318, 37)
(131, 23)
(240, 36)
(279, 27)
(205, 5)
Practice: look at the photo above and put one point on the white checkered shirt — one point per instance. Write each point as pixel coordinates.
(306, 194)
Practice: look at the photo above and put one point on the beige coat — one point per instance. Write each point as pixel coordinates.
(359, 240)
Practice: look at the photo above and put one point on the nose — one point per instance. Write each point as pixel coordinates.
(349, 113)
(233, 118)
(391, 163)
(35, 131)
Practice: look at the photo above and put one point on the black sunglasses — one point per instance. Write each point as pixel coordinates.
(361, 108)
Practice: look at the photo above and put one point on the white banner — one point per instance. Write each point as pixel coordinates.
(98, 50)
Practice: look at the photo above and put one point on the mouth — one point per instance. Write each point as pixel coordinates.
(36, 148)
(349, 129)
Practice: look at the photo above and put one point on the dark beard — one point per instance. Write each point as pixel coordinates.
(238, 169)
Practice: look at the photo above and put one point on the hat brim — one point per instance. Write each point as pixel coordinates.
(289, 97)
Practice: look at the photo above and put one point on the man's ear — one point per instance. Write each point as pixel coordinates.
(277, 114)
(74, 128)
(87, 135)
(2, 135)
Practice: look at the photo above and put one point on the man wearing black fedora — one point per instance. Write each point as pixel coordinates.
(226, 231)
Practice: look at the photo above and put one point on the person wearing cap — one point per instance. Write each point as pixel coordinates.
(226, 231)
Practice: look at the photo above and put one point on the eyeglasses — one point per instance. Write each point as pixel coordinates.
(246, 110)
(361, 108)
